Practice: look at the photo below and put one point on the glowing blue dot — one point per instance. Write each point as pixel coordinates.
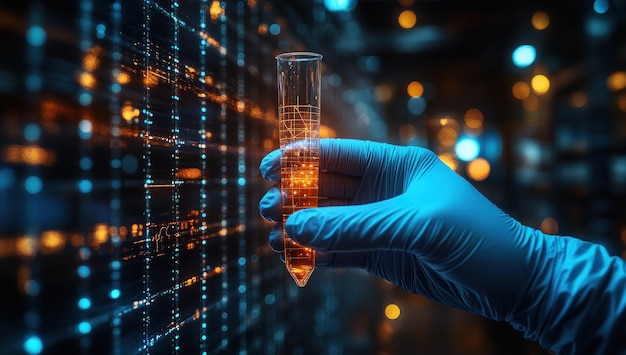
(36, 36)
(116, 265)
(241, 181)
(84, 129)
(524, 55)
(84, 303)
(116, 88)
(34, 82)
(33, 185)
(84, 99)
(114, 294)
(7, 178)
(601, 6)
(340, 5)
(467, 149)
(242, 261)
(117, 6)
(274, 29)
(85, 186)
(130, 164)
(85, 163)
(242, 288)
(416, 105)
(84, 327)
(83, 271)
(334, 80)
(116, 163)
(33, 345)
(100, 31)
(270, 299)
(32, 287)
(32, 132)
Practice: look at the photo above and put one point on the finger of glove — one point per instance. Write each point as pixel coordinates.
(350, 156)
(270, 204)
(364, 227)
(270, 166)
(276, 238)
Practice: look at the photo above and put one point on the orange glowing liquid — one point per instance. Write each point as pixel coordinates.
(299, 181)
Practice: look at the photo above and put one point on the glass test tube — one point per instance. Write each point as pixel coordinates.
(299, 79)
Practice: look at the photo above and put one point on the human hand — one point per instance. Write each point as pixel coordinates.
(400, 213)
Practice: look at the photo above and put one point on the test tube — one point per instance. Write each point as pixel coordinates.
(299, 79)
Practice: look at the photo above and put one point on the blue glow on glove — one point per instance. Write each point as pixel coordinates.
(400, 213)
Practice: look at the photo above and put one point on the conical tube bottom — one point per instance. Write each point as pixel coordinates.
(300, 262)
(300, 275)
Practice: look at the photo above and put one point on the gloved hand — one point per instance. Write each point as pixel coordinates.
(400, 213)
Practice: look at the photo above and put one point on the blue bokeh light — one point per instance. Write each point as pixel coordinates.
(340, 5)
(33, 345)
(84, 303)
(467, 148)
(84, 327)
(524, 55)
(601, 6)
(36, 36)
(33, 184)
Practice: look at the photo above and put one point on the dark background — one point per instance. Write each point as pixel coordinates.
(131, 133)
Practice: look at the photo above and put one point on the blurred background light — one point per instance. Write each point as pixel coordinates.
(540, 20)
(467, 148)
(416, 105)
(478, 169)
(392, 311)
(524, 55)
(601, 6)
(540, 84)
(340, 5)
(415, 89)
(407, 19)
(521, 90)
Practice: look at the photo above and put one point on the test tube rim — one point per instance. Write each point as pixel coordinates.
(299, 56)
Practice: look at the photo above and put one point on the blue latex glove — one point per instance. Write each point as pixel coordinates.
(405, 216)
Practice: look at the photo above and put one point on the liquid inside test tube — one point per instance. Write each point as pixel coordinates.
(299, 121)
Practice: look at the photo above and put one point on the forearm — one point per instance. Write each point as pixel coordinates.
(581, 300)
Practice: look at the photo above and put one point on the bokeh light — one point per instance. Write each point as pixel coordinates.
(407, 19)
(521, 90)
(524, 55)
(392, 311)
(415, 89)
(540, 84)
(478, 169)
(540, 20)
